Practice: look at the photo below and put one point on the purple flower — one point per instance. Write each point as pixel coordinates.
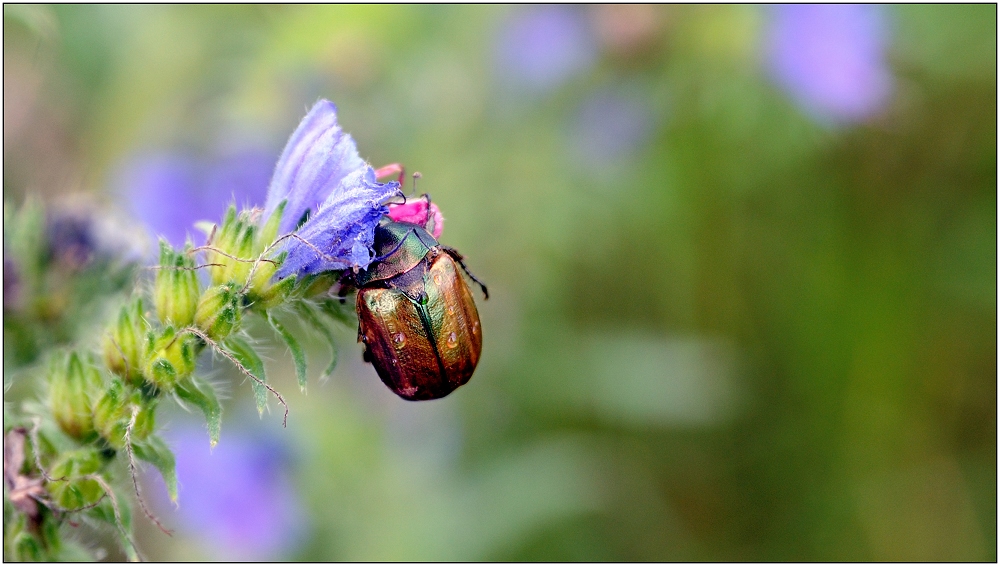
(71, 238)
(169, 192)
(237, 498)
(610, 126)
(831, 59)
(321, 177)
(540, 48)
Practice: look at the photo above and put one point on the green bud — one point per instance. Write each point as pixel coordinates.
(74, 384)
(169, 357)
(220, 312)
(75, 492)
(111, 414)
(123, 343)
(230, 241)
(176, 291)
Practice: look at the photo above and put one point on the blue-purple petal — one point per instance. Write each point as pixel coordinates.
(341, 232)
(317, 158)
(237, 499)
(539, 48)
(169, 192)
(831, 59)
(161, 191)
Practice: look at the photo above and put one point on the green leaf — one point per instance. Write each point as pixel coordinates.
(293, 345)
(155, 451)
(248, 358)
(305, 309)
(201, 395)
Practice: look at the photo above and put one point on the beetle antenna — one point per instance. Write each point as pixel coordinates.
(416, 175)
(458, 258)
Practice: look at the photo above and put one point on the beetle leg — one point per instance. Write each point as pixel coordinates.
(458, 258)
(427, 211)
(345, 285)
(392, 169)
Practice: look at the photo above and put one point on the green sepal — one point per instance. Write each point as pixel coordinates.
(105, 512)
(223, 240)
(75, 491)
(176, 289)
(269, 296)
(269, 233)
(110, 414)
(244, 353)
(219, 312)
(200, 394)
(123, 343)
(316, 284)
(155, 451)
(169, 357)
(74, 385)
(298, 355)
(341, 312)
(305, 309)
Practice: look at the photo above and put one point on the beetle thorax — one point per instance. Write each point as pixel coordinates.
(399, 247)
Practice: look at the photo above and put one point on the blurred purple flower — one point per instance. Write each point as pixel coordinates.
(321, 176)
(541, 47)
(830, 58)
(237, 498)
(71, 239)
(610, 126)
(169, 192)
(11, 282)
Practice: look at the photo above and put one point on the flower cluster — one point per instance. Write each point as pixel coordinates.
(323, 204)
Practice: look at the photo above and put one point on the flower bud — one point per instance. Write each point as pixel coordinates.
(74, 383)
(123, 343)
(238, 243)
(74, 492)
(111, 414)
(223, 241)
(169, 357)
(219, 312)
(176, 292)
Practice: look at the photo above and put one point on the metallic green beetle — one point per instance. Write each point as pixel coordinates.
(416, 315)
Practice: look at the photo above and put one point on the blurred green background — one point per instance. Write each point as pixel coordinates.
(741, 308)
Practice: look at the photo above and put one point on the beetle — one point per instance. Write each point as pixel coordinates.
(416, 315)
